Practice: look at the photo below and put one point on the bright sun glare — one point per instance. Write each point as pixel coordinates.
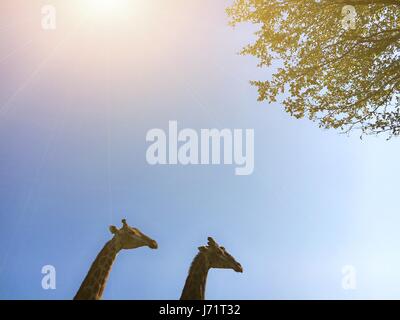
(107, 8)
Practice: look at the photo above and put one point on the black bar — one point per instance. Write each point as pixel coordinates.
(203, 309)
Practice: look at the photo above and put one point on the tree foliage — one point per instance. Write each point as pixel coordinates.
(341, 78)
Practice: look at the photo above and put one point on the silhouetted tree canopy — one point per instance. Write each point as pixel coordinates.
(341, 78)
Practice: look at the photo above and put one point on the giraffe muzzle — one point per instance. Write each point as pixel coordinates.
(153, 244)
(239, 268)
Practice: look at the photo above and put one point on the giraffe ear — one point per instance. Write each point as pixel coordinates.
(113, 229)
(202, 249)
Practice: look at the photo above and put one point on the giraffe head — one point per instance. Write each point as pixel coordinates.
(218, 257)
(131, 238)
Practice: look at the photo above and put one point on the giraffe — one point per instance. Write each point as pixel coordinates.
(93, 285)
(210, 256)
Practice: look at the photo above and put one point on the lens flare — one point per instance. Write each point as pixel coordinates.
(107, 8)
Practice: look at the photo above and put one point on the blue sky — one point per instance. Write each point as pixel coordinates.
(75, 113)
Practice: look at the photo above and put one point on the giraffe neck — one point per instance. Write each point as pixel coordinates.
(195, 285)
(93, 286)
